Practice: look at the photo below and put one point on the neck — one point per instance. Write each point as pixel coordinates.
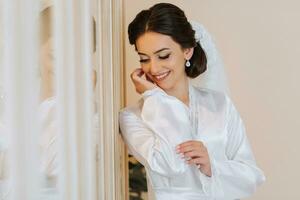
(181, 91)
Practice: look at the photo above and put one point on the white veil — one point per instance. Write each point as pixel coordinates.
(214, 77)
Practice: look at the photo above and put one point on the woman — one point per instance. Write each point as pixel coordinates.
(191, 140)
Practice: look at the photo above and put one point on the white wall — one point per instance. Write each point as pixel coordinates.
(260, 45)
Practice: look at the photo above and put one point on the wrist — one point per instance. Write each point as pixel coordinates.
(206, 170)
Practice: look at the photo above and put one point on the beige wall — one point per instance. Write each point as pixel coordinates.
(260, 45)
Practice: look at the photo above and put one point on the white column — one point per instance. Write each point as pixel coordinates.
(112, 157)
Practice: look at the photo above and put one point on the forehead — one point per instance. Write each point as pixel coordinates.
(150, 42)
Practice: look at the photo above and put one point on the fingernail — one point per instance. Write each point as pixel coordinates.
(198, 166)
(177, 151)
(181, 155)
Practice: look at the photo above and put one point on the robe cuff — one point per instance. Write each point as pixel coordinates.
(212, 186)
(151, 92)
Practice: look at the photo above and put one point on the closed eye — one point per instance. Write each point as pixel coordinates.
(164, 57)
(144, 60)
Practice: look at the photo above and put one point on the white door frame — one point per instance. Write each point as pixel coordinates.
(112, 157)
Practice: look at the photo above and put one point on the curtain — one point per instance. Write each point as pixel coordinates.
(48, 118)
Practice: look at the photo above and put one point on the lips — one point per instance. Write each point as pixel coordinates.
(161, 76)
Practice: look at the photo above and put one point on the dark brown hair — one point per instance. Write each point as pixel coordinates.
(168, 19)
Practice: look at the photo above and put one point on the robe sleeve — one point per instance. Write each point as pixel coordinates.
(152, 138)
(237, 176)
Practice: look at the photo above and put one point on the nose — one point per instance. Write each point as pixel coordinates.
(154, 67)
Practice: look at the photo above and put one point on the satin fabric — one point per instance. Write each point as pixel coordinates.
(158, 122)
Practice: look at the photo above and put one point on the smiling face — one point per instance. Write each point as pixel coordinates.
(163, 59)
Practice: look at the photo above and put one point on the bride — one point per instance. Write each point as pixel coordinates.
(190, 138)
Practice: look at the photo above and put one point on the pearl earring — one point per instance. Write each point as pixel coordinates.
(187, 63)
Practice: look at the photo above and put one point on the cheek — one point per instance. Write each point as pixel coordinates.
(145, 68)
(178, 65)
(169, 63)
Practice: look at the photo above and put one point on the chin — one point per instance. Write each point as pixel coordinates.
(165, 86)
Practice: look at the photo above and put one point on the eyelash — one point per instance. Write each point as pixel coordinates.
(160, 57)
(164, 57)
(144, 60)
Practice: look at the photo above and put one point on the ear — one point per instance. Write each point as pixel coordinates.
(188, 53)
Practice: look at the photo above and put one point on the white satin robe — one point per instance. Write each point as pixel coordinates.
(159, 122)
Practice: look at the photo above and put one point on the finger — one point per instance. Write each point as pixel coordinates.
(137, 73)
(187, 149)
(190, 142)
(193, 154)
(197, 161)
(184, 147)
(149, 78)
(201, 150)
(187, 143)
(141, 72)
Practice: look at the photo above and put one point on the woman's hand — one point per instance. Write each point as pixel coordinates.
(141, 84)
(195, 153)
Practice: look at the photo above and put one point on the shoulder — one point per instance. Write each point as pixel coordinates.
(130, 120)
(211, 99)
(209, 93)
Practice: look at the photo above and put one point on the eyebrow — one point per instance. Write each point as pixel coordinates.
(155, 51)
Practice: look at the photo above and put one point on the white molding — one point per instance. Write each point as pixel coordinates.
(112, 161)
